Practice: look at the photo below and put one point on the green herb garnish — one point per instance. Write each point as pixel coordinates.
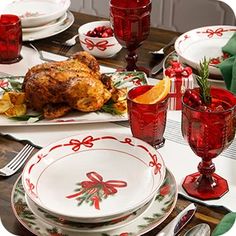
(203, 83)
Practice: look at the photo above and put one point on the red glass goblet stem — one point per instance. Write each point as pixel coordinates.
(131, 24)
(208, 130)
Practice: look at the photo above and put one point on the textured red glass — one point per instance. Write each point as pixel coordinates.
(147, 121)
(131, 25)
(208, 133)
(10, 38)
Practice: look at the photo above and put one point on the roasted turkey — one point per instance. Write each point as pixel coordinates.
(56, 88)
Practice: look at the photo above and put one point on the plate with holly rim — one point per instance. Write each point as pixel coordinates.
(120, 79)
(85, 227)
(94, 191)
(160, 209)
(194, 45)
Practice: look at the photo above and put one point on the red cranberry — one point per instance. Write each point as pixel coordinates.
(100, 32)
(192, 98)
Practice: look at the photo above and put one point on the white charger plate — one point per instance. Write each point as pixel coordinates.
(51, 24)
(208, 41)
(35, 12)
(160, 209)
(87, 178)
(48, 32)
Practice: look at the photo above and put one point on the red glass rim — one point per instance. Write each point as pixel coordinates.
(163, 101)
(212, 112)
(127, 8)
(9, 19)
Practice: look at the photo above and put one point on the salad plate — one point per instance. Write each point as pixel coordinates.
(35, 12)
(160, 209)
(94, 191)
(207, 42)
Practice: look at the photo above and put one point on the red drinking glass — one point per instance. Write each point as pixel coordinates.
(130, 20)
(147, 121)
(10, 38)
(208, 130)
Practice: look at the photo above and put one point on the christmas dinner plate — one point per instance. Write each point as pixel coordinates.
(35, 12)
(50, 31)
(159, 210)
(93, 178)
(85, 227)
(207, 42)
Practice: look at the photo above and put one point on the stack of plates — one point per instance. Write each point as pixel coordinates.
(95, 182)
(40, 18)
(207, 42)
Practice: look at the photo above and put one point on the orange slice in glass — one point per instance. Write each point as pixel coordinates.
(156, 93)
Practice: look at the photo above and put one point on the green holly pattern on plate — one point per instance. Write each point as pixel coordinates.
(154, 215)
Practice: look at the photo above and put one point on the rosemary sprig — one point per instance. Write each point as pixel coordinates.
(203, 83)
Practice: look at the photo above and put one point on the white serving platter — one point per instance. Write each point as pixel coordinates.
(88, 177)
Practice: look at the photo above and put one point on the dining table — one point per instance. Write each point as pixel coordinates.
(9, 146)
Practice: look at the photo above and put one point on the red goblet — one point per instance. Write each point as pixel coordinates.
(208, 130)
(131, 24)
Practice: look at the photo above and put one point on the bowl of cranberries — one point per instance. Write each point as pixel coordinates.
(98, 39)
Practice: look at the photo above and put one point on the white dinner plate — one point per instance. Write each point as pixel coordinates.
(35, 12)
(87, 178)
(159, 210)
(51, 24)
(48, 32)
(208, 41)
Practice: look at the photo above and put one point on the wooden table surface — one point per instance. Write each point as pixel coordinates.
(8, 148)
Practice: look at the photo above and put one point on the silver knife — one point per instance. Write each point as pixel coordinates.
(174, 227)
(157, 68)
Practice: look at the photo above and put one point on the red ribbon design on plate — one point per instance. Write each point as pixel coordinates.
(96, 185)
(155, 163)
(3, 84)
(101, 45)
(31, 187)
(178, 72)
(87, 142)
(219, 32)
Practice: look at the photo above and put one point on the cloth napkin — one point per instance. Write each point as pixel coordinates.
(227, 226)
(228, 66)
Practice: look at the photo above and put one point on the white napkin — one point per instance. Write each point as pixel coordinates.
(179, 158)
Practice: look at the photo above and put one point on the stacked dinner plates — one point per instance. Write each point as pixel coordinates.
(39, 18)
(94, 183)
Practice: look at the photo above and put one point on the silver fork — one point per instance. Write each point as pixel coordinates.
(17, 161)
(68, 44)
(40, 53)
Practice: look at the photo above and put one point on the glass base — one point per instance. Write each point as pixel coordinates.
(11, 61)
(192, 186)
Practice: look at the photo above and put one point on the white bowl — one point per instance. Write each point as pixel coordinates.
(208, 41)
(35, 13)
(115, 174)
(98, 47)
